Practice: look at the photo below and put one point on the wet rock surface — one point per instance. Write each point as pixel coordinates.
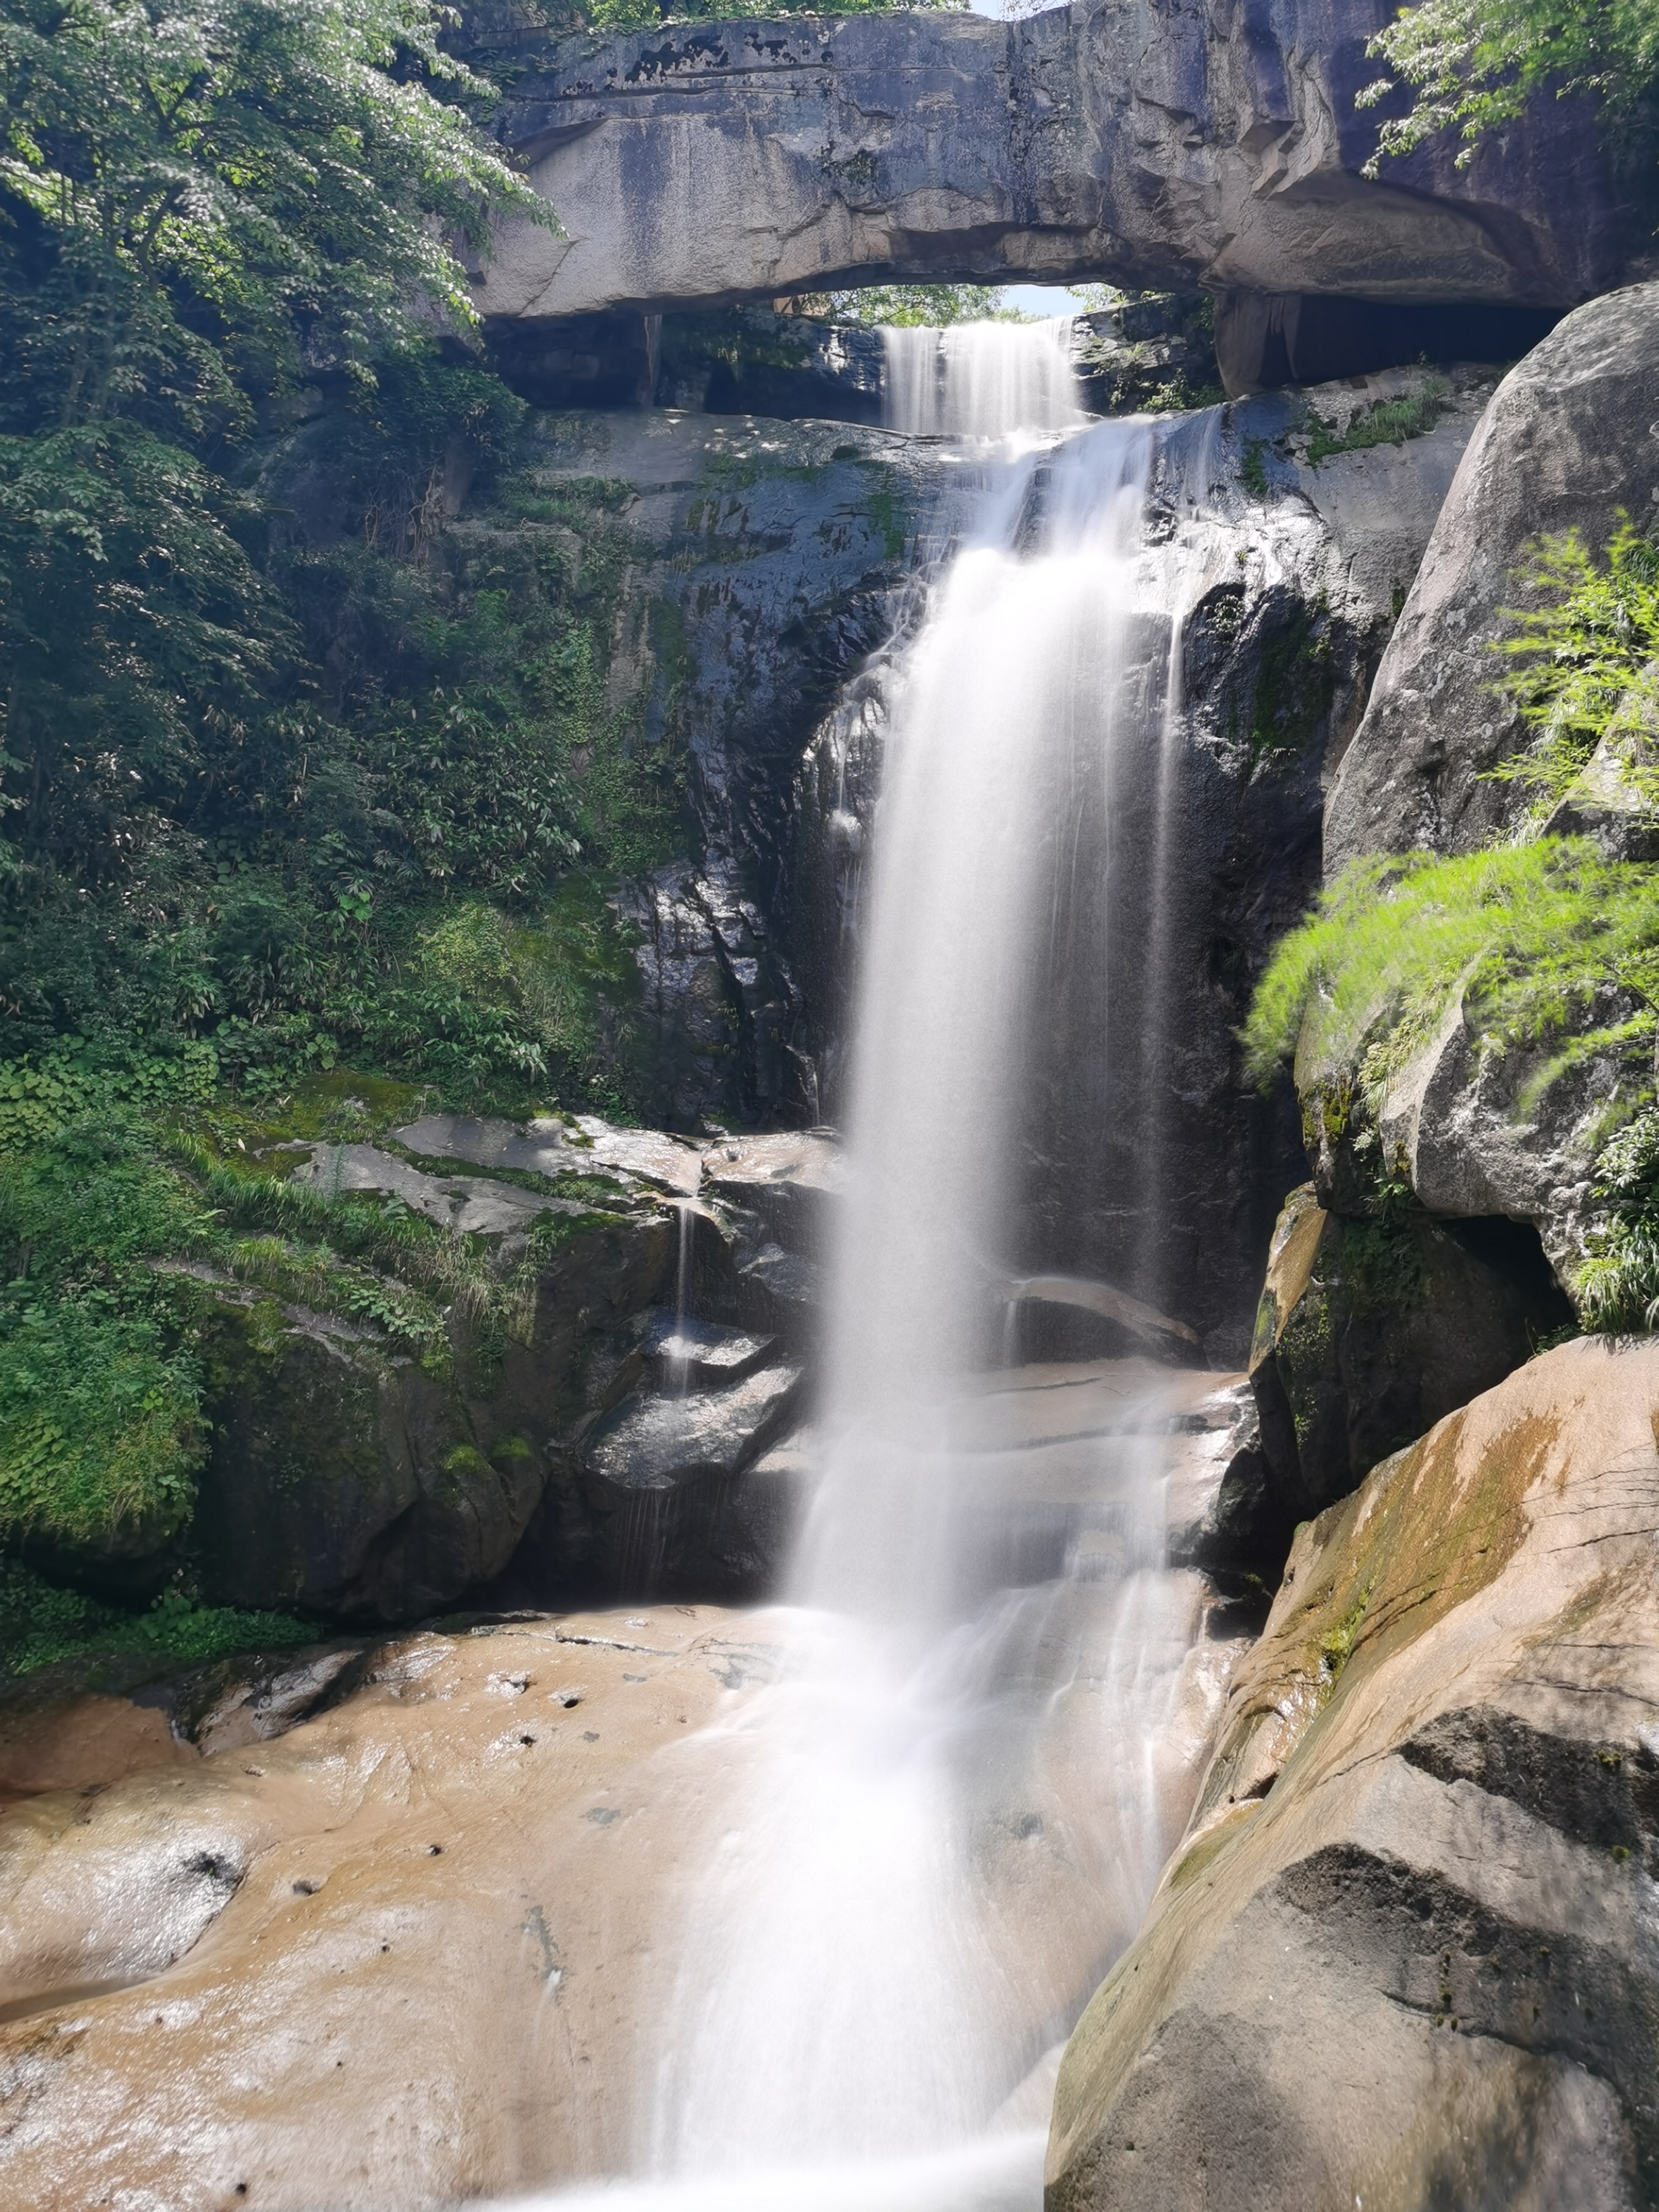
(767, 560)
(1304, 548)
(410, 1951)
(352, 1479)
(1150, 349)
(1405, 1952)
(658, 1471)
(1119, 142)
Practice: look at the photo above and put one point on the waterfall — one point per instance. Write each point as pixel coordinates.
(980, 379)
(931, 1836)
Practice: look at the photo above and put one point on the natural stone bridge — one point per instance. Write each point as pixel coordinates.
(1148, 142)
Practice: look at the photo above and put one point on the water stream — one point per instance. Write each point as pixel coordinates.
(945, 1818)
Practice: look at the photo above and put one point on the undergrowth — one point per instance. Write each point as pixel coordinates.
(124, 1196)
(1586, 663)
(41, 1625)
(1618, 1285)
(1546, 941)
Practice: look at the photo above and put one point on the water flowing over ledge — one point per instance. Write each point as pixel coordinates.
(928, 1839)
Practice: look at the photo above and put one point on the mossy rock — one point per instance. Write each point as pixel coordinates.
(1372, 1327)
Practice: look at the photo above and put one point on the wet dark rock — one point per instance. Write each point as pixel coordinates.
(1372, 1327)
(662, 1441)
(753, 360)
(754, 566)
(1169, 1190)
(784, 1180)
(348, 1481)
(1224, 1513)
(769, 557)
(682, 1351)
(1149, 350)
(255, 1697)
(659, 1470)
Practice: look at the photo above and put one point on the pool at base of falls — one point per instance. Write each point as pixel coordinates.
(998, 2173)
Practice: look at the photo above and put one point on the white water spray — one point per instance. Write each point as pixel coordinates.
(980, 379)
(942, 1823)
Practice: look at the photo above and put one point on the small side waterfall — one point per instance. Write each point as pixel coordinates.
(937, 1828)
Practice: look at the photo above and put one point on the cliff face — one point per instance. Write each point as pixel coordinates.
(1147, 144)
(1571, 438)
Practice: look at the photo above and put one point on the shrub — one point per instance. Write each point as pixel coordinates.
(1586, 660)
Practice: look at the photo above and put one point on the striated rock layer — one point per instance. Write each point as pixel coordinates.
(1408, 1954)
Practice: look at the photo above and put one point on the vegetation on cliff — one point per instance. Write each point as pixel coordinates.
(1473, 65)
(295, 777)
(1545, 940)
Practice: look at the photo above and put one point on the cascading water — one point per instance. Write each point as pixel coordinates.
(980, 379)
(939, 1826)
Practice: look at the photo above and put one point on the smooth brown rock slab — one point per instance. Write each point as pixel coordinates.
(391, 1959)
(1408, 1955)
(425, 1946)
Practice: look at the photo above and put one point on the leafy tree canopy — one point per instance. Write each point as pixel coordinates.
(909, 306)
(1473, 65)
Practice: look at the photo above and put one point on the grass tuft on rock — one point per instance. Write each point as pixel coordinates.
(1546, 940)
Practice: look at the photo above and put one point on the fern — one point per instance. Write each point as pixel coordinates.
(1586, 661)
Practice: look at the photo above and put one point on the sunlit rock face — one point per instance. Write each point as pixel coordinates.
(713, 161)
(1569, 440)
(1406, 1955)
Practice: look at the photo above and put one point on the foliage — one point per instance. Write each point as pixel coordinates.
(1473, 65)
(119, 1193)
(100, 1425)
(909, 306)
(1097, 299)
(201, 209)
(1390, 423)
(1544, 940)
(1587, 661)
(42, 1624)
(211, 198)
(1618, 1286)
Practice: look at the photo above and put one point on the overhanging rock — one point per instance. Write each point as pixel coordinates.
(1146, 143)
